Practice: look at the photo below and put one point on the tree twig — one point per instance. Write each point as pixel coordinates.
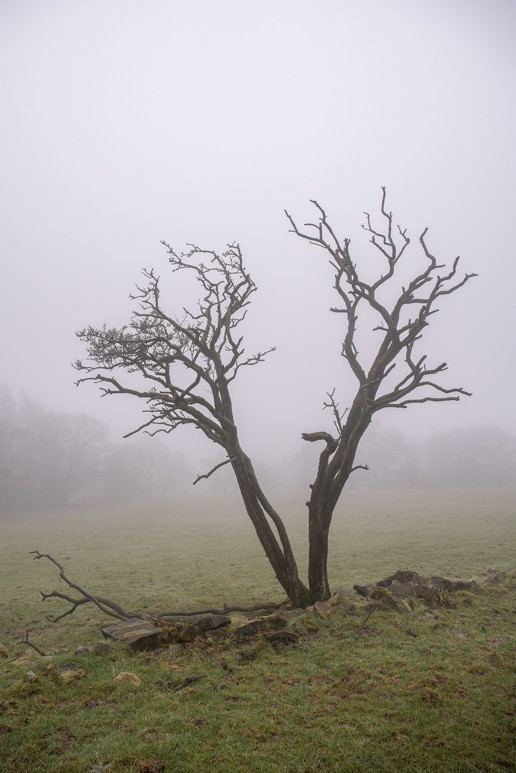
(30, 644)
(360, 627)
(214, 469)
(189, 680)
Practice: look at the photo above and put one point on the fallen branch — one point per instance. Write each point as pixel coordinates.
(30, 644)
(113, 609)
(105, 605)
(189, 680)
(360, 627)
(223, 611)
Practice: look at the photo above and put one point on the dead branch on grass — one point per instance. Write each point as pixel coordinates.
(189, 680)
(361, 627)
(30, 644)
(113, 609)
(224, 611)
(105, 605)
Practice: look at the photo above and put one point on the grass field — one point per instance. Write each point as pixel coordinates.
(345, 698)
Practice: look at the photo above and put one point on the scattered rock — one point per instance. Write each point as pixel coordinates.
(403, 577)
(30, 676)
(496, 575)
(425, 592)
(342, 601)
(82, 651)
(182, 632)
(22, 662)
(387, 599)
(137, 634)
(260, 624)
(281, 637)
(101, 648)
(322, 608)
(252, 652)
(398, 588)
(451, 584)
(212, 623)
(71, 675)
(292, 613)
(150, 633)
(126, 677)
(363, 590)
(4, 652)
(307, 623)
(397, 591)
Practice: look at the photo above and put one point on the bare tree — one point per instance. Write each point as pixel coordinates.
(183, 368)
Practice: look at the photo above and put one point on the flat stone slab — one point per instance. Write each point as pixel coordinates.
(260, 624)
(212, 622)
(148, 634)
(137, 634)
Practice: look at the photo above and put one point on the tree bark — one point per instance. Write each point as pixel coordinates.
(318, 558)
(335, 467)
(261, 513)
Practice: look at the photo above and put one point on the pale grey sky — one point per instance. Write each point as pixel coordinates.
(125, 123)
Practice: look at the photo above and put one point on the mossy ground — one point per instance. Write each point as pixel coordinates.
(347, 697)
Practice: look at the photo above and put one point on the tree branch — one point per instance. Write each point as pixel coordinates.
(105, 605)
(313, 437)
(214, 469)
(226, 609)
(30, 644)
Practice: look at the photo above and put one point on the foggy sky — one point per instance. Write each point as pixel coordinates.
(125, 123)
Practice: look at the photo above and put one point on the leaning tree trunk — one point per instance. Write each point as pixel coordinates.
(277, 545)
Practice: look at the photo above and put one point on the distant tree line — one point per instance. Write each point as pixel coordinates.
(475, 456)
(54, 459)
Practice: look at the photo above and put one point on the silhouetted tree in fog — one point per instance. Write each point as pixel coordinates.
(182, 367)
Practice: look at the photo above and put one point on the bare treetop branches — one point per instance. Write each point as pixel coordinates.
(401, 323)
(186, 362)
(394, 377)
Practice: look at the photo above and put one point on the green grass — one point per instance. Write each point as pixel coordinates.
(345, 698)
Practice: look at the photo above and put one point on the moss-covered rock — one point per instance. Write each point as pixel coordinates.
(70, 675)
(126, 677)
(342, 601)
(387, 599)
(21, 662)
